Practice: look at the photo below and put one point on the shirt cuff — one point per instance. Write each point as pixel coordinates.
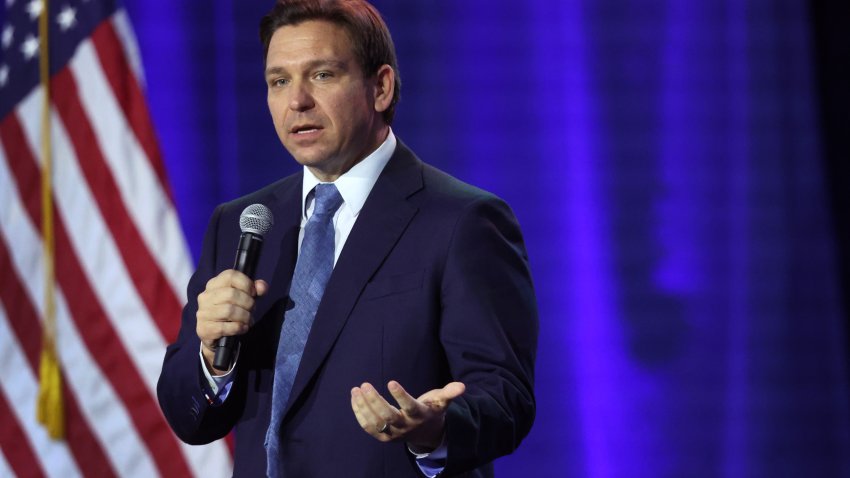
(432, 463)
(218, 386)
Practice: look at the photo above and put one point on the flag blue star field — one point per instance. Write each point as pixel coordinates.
(121, 261)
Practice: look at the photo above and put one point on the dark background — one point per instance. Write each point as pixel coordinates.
(680, 172)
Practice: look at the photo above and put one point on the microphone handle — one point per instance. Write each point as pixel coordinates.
(247, 255)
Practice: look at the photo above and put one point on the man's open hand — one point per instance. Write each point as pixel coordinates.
(418, 421)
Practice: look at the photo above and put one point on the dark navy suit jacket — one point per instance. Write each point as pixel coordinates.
(432, 286)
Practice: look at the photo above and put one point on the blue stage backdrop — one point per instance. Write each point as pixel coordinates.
(663, 159)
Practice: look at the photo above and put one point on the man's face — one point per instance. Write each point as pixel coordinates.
(322, 104)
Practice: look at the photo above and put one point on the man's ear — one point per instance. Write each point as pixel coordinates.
(384, 88)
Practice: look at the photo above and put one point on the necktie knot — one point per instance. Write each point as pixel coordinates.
(327, 199)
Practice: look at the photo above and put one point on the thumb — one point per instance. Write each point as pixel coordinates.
(261, 287)
(452, 391)
(439, 399)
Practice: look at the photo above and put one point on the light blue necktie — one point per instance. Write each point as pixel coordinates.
(312, 271)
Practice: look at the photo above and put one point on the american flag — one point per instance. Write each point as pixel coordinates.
(121, 262)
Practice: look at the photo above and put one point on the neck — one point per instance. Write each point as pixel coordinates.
(328, 175)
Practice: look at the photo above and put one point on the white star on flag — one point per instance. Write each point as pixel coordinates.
(4, 75)
(8, 34)
(34, 8)
(67, 18)
(29, 47)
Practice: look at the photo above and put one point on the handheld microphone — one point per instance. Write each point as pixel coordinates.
(255, 221)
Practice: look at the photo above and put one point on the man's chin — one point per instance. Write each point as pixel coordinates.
(310, 158)
(312, 163)
(322, 166)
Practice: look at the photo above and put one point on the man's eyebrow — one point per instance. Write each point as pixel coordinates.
(339, 65)
(275, 70)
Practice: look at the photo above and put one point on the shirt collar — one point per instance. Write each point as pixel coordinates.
(355, 185)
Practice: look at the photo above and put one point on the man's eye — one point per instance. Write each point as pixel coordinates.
(279, 82)
(323, 75)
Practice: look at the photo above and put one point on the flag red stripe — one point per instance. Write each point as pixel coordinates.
(14, 144)
(106, 347)
(15, 445)
(129, 94)
(150, 281)
(20, 313)
(23, 320)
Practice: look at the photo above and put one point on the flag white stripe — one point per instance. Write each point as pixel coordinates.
(124, 30)
(103, 410)
(5, 468)
(20, 387)
(143, 195)
(100, 259)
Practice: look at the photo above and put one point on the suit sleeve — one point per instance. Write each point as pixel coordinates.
(489, 329)
(180, 391)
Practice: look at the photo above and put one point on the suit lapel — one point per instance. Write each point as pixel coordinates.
(280, 250)
(381, 222)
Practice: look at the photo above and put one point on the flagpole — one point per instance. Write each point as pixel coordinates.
(50, 410)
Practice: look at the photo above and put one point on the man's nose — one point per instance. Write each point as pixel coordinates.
(301, 99)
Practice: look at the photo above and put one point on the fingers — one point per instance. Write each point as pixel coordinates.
(229, 287)
(232, 278)
(224, 307)
(222, 320)
(405, 401)
(380, 407)
(375, 416)
(225, 303)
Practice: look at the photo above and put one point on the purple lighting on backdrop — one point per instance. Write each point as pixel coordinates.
(586, 293)
(225, 91)
(734, 437)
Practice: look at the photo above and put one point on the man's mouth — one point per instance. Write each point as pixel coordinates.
(304, 129)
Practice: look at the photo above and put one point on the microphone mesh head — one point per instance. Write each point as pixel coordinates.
(256, 219)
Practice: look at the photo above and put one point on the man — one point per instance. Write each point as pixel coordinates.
(392, 327)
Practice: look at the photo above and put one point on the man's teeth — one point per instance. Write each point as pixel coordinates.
(303, 131)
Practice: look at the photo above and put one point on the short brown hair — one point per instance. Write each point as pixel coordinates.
(373, 45)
